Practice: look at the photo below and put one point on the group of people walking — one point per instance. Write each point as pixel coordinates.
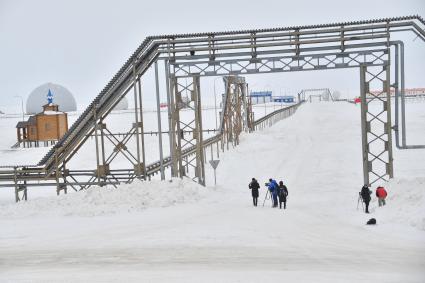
(380, 193)
(278, 192)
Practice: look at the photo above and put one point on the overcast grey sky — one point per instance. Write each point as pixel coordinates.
(81, 44)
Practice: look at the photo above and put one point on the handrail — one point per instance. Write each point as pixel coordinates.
(270, 115)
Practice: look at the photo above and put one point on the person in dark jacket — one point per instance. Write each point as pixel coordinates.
(365, 194)
(254, 186)
(273, 188)
(283, 193)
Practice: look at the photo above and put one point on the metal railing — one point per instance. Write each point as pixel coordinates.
(275, 116)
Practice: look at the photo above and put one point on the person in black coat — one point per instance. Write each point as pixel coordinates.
(254, 186)
(283, 193)
(365, 194)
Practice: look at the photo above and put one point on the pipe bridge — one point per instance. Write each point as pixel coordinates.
(186, 58)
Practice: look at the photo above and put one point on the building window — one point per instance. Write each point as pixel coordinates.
(47, 127)
(32, 131)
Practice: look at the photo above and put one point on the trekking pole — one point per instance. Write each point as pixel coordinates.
(358, 201)
(265, 197)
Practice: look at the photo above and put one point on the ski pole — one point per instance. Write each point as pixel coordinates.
(358, 200)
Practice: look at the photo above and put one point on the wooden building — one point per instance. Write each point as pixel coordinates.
(47, 127)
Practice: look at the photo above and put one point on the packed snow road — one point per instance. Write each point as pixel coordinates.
(179, 232)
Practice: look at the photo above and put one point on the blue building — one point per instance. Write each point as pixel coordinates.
(284, 99)
(260, 96)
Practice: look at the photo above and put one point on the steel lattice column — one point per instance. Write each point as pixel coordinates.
(235, 116)
(187, 131)
(376, 123)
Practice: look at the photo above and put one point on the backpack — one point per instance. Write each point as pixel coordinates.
(283, 191)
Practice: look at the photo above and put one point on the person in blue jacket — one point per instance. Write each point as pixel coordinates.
(273, 188)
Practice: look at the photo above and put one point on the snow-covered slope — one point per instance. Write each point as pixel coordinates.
(216, 235)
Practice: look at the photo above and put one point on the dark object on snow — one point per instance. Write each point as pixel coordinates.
(371, 221)
(254, 186)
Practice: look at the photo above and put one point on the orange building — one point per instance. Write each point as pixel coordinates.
(47, 126)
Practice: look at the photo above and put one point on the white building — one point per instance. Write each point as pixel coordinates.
(61, 96)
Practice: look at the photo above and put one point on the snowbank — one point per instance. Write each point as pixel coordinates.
(109, 200)
(405, 203)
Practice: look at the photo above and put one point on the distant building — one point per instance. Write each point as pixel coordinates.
(63, 97)
(260, 97)
(47, 126)
(407, 91)
(284, 99)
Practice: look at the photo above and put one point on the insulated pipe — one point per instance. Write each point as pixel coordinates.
(396, 93)
(158, 111)
(142, 127)
(403, 102)
(136, 115)
(169, 105)
(399, 62)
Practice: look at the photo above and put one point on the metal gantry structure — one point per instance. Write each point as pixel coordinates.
(321, 93)
(366, 45)
(235, 114)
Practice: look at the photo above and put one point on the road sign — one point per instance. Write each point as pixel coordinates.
(214, 163)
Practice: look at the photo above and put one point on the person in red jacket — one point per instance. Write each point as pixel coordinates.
(381, 194)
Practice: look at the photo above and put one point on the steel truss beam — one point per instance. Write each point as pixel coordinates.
(376, 124)
(235, 115)
(186, 93)
(306, 62)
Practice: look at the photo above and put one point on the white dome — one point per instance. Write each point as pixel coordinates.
(61, 97)
(122, 105)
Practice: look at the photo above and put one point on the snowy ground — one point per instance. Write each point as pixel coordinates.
(179, 232)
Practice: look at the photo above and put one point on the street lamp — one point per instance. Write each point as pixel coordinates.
(22, 106)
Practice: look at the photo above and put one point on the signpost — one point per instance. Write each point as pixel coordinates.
(214, 165)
